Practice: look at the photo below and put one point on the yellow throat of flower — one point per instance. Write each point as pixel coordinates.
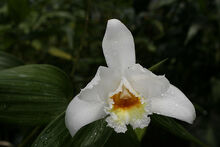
(126, 106)
(125, 100)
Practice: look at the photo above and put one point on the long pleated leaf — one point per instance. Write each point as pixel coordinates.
(175, 128)
(8, 61)
(33, 94)
(57, 135)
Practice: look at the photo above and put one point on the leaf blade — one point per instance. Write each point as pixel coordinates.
(155, 66)
(8, 61)
(140, 133)
(33, 94)
(56, 134)
(173, 127)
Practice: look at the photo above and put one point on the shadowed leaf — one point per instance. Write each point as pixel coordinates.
(8, 61)
(33, 94)
(172, 126)
(154, 67)
(57, 135)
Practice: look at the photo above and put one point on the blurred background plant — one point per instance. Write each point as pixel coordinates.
(68, 34)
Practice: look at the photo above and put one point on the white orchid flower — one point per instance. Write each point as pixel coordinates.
(124, 91)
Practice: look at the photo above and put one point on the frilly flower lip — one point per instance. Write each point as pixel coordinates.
(124, 91)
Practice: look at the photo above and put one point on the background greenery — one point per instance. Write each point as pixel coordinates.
(68, 34)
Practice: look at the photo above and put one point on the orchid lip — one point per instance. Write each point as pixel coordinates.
(126, 106)
(125, 100)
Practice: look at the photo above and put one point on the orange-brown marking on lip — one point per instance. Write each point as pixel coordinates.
(125, 100)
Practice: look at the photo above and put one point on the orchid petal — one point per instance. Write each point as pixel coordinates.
(105, 81)
(118, 45)
(125, 79)
(89, 104)
(80, 113)
(175, 104)
(145, 82)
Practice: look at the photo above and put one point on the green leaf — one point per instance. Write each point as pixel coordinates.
(175, 128)
(59, 53)
(127, 139)
(158, 4)
(30, 137)
(140, 133)
(193, 30)
(55, 14)
(218, 6)
(56, 135)
(33, 94)
(18, 9)
(8, 61)
(154, 67)
(146, 42)
(95, 134)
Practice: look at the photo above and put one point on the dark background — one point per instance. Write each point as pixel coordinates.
(69, 33)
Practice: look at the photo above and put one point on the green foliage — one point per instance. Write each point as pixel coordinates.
(175, 128)
(93, 135)
(193, 30)
(56, 135)
(128, 139)
(68, 35)
(18, 10)
(8, 61)
(33, 94)
(154, 67)
(140, 133)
